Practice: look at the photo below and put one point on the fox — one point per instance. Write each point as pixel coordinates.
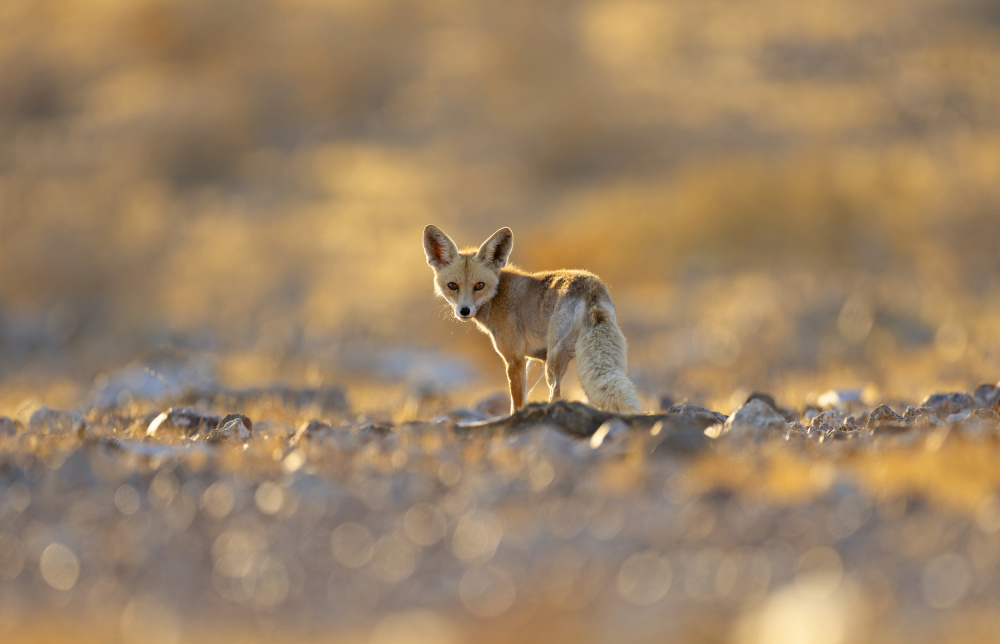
(550, 316)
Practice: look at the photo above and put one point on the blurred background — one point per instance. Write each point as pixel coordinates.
(781, 196)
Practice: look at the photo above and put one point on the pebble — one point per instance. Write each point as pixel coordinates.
(232, 428)
(826, 420)
(57, 422)
(184, 421)
(944, 405)
(922, 417)
(697, 413)
(787, 414)
(8, 427)
(987, 396)
(756, 417)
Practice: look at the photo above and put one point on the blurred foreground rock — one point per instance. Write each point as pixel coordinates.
(8, 427)
(57, 422)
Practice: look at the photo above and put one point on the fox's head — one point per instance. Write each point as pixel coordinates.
(467, 279)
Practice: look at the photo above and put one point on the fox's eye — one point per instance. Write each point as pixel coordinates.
(479, 286)
(453, 286)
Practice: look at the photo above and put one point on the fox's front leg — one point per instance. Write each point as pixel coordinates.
(517, 379)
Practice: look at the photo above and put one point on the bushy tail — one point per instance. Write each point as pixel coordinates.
(602, 363)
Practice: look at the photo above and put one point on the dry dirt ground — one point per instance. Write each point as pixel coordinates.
(281, 513)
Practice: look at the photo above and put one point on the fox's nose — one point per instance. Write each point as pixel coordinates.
(464, 311)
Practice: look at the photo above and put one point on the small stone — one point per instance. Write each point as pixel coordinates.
(924, 416)
(828, 419)
(757, 417)
(8, 427)
(787, 414)
(957, 418)
(182, 421)
(985, 414)
(697, 413)
(232, 428)
(981, 421)
(760, 395)
(56, 422)
(883, 415)
(944, 405)
(987, 396)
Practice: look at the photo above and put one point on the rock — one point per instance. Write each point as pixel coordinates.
(840, 399)
(235, 428)
(697, 413)
(883, 418)
(923, 416)
(981, 421)
(827, 420)
(787, 414)
(987, 396)
(944, 405)
(759, 395)
(182, 421)
(57, 422)
(677, 434)
(756, 417)
(854, 422)
(8, 427)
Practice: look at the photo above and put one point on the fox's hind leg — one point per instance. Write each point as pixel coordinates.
(556, 363)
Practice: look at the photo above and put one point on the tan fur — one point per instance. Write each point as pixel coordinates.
(553, 316)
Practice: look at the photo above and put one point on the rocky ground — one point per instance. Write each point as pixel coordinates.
(276, 511)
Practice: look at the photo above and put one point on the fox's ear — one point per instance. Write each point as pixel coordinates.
(438, 247)
(497, 248)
